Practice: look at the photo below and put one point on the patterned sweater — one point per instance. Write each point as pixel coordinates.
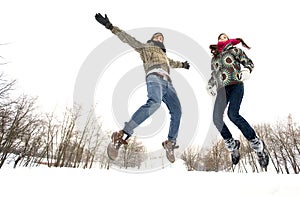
(226, 66)
(152, 56)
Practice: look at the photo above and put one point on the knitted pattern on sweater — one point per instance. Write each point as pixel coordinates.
(226, 66)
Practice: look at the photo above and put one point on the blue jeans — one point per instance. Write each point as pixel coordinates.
(158, 90)
(232, 94)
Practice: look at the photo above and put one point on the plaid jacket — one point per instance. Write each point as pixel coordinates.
(226, 66)
(151, 55)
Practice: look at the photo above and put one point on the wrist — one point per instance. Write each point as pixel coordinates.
(109, 26)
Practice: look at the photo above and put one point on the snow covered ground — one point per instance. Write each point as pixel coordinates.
(173, 180)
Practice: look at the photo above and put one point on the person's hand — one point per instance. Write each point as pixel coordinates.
(104, 21)
(185, 65)
(210, 90)
(244, 74)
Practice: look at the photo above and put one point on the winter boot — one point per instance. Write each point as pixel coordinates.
(169, 146)
(259, 147)
(116, 142)
(233, 147)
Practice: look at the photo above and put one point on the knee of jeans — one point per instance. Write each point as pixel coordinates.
(153, 102)
(218, 122)
(154, 106)
(233, 116)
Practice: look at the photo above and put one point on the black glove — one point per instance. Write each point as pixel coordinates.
(185, 65)
(104, 21)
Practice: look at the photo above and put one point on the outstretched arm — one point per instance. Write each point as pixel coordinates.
(128, 39)
(122, 35)
(178, 64)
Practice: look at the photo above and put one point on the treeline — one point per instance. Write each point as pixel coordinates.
(283, 144)
(29, 138)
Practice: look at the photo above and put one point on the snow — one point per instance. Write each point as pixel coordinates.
(173, 180)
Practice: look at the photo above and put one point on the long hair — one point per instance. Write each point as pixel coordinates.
(214, 49)
(243, 43)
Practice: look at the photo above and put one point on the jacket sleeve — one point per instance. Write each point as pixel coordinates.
(175, 64)
(128, 39)
(245, 60)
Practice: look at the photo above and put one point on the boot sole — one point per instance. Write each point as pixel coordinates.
(112, 152)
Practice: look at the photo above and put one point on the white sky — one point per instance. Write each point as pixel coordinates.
(49, 41)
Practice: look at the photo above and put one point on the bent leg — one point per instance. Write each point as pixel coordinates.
(154, 89)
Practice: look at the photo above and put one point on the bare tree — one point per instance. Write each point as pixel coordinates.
(17, 125)
(192, 157)
(133, 154)
(282, 140)
(6, 87)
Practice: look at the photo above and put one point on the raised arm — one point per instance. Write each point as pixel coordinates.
(122, 35)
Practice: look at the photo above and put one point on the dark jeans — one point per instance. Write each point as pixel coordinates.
(232, 94)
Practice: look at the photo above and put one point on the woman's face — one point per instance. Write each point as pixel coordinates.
(223, 38)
